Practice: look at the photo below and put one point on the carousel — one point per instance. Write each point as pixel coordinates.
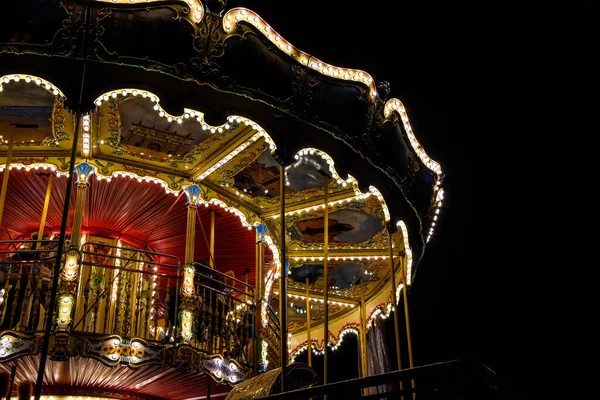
(189, 203)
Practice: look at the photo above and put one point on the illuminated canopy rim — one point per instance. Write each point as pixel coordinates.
(376, 146)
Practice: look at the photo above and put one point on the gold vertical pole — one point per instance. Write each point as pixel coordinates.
(186, 316)
(405, 296)
(257, 305)
(363, 330)
(190, 233)
(261, 293)
(6, 177)
(78, 214)
(395, 305)
(309, 349)
(257, 269)
(326, 278)
(363, 335)
(212, 239)
(282, 282)
(73, 252)
(45, 210)
(246, 273)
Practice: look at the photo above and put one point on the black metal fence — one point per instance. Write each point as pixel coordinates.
(225, 315)
(130, 293)
(25, 282)
(449, 380)
(127, 292)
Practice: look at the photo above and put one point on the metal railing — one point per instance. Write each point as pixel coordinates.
(26, 269)
(127, 292)
(132, 293)
(271, 333)
(449, 380)
(224, 316)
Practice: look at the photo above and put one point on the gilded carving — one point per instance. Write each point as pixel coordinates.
(140, 171)
(29, 160)
(104, 168)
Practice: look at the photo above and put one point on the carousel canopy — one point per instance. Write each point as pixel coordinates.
(220, 62)
(157, 97)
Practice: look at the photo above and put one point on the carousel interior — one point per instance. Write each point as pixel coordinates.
(149, 266)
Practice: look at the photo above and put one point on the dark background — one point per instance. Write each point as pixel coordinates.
(468, 76)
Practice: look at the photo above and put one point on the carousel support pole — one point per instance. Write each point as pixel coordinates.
(13, 373)
(71, 270)
(246, 273)
(395, 304)
(363, 330)
(187, 288)
(325, 277)
(283, 332)
(308, 338)
(261, 292)
(212, 238)
(45, 211)
(61, 237)
(57, 265)
(257, 302)
(83, 171)
(405, 297)
(6, 177)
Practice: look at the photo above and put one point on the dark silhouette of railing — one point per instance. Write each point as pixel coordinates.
(449, 380)
(133, 293)
(271, 333)
(25, 282)
(224, 316)
(127, 292)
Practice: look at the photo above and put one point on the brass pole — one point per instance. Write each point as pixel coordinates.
(5, 177)
(45, 210)
(308, 326)
(395, 305)
(257, 268)
(212, 239)
(282, 281)
(78, 213)
(326, 278)
(363, 336)
(186, 317)
(261, 294)
(246, 273)
(363, 330)
(257, 309)
(405, 296)
(80, 198)
(190, 233)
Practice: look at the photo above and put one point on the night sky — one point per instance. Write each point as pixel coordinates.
(472, 294)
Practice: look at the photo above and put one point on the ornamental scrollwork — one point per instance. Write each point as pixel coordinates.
(58, 126)
(210, 38)
(63, 41)
(29, 160)
(64, 165)
(227, 175)
(104, 168)
(114, 128)
(14, 345)
(175, 183)
(140, 171)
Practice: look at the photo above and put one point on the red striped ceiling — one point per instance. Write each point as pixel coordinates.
(137, 212)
